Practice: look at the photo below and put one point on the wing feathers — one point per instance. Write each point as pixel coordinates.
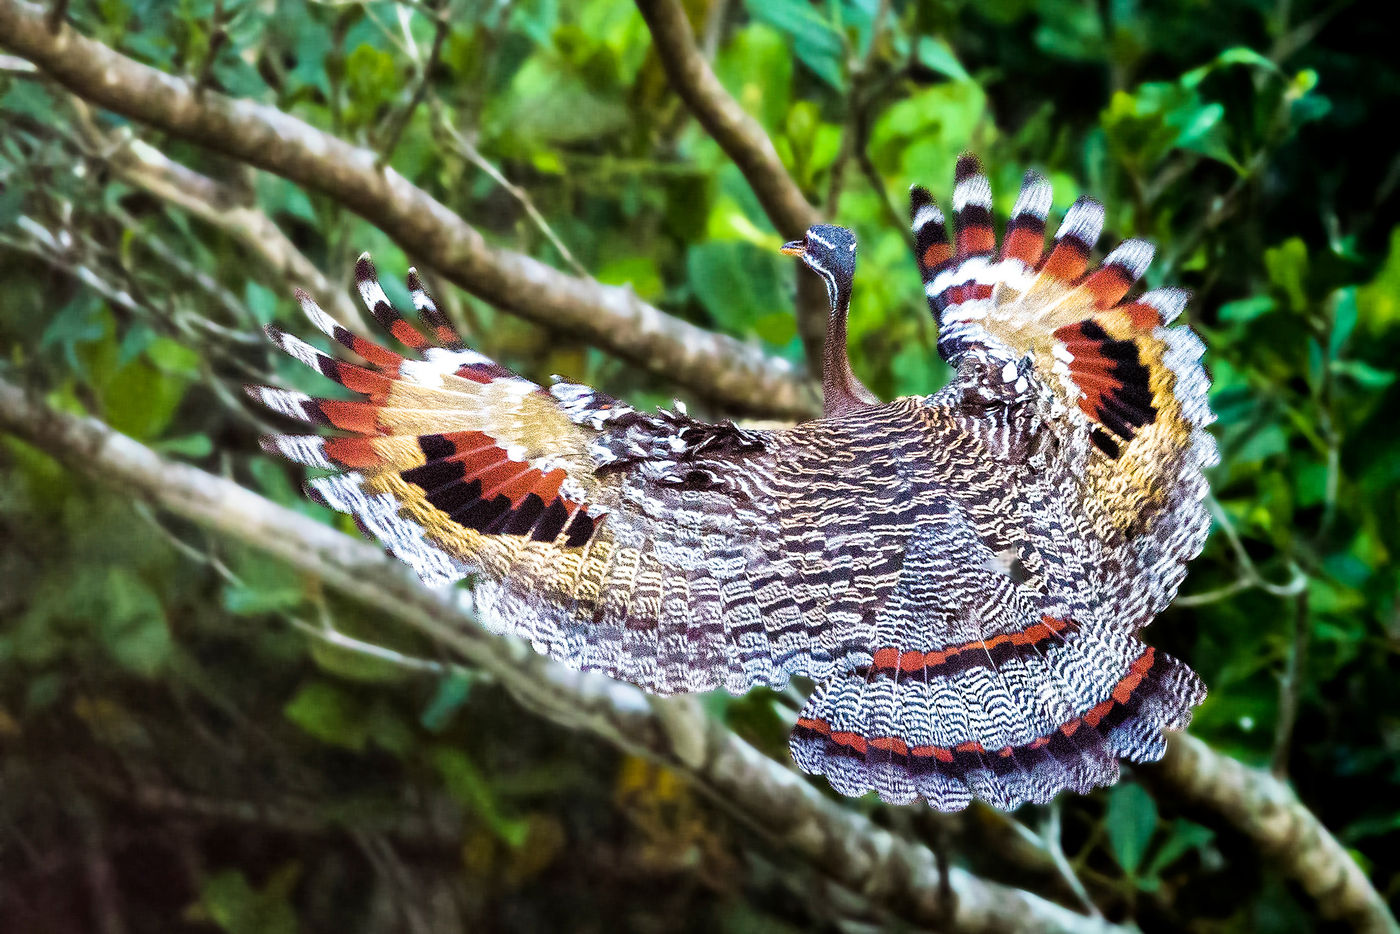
(570, 505)
(964, 579)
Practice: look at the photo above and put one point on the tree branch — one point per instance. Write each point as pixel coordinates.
(1282, 829)
(1290, 687)
(143, 166)
(720, 368)
(737, 133)
(744, 141)
(843, 845)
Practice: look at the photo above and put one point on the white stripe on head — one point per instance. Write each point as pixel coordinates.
(830, 278)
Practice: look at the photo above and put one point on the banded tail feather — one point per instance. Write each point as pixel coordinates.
(929, 738)
(965, 575)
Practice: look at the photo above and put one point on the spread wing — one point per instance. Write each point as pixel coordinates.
(643, 545)
(964, 575)
(1060, 497)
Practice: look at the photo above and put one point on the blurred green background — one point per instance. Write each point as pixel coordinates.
(164, 712)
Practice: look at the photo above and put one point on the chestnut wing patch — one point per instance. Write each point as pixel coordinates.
(475, 481)
(1114, 383)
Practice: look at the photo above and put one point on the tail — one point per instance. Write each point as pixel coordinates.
(1051, 712)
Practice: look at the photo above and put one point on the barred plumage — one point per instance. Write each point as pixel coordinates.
(965, 574)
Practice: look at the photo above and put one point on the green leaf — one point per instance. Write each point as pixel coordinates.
(756, 68)
(1378, 302)
(329, 714)
(261, 301)
(80, 321)
(467, 786)
(929, 128)
(371, 78)
(139, 400)
(264, 585)
(1183, 837)
(1130, 822)
(228, 900)
(815, 41)
(737, 283)
(132, 624)
(1287, 265)
(29, 99)
(549, 104)
(935, 53)
(1345, 314)
(190, 447)
(451, 694)
(1144, 126)
(11, 203)
(1243, 55)
(1247, 309)
(639, 272)
(134, 343)
(1363, 374)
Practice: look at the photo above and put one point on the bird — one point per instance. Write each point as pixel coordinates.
(964, 576)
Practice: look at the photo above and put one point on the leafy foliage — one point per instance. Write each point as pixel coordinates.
(169, 701)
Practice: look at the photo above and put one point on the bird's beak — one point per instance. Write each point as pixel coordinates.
(794, 248)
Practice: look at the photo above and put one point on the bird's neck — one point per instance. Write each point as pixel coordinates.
(842, 392)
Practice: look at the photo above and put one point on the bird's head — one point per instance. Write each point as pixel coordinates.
(830, 252)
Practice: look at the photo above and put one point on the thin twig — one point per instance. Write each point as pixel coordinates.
(1048, 842)
(386, 152)
(473, 155)
(715, 18)
(1249, 576)
(1290, 687)
(332, 636)
(1050, 836)
(855, 112)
